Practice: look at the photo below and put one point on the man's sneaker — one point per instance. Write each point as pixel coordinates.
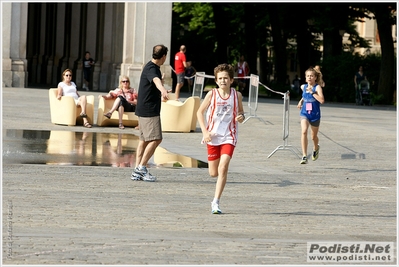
(304, 160)
(215, 208)
(136, 175)
(315, 154)
(142, 174)
(149, 178)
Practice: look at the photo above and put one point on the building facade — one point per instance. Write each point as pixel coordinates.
(40, 40)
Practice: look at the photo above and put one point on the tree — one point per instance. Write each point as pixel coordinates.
(384, 14)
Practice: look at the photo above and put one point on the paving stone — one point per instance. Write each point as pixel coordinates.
(78, 215)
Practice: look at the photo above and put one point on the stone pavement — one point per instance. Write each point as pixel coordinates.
(78, 215)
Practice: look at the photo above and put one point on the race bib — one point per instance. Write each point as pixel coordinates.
(308, 107)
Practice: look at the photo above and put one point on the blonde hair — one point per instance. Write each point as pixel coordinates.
(320, 75)
(124, 77)
(317, 73)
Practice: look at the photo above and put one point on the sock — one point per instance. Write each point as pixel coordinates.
(215, 200)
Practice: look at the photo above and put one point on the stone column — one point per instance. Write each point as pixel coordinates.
(146, 24)
(91, 42)
(105, 41)
(6, 22)
(17, 43)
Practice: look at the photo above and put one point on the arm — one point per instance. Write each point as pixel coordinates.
(300, 101)
(200, 116)
(107, 96)
(355, 81)
(134, 97)
(318, 95)
(241, 117)
(59, 93)
(161, 88)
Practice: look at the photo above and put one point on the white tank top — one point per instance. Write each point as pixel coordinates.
(221, 116)
(69, 90)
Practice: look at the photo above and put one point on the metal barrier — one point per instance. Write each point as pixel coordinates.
(253, 105)
(253, 97)
(286, 118)
(198, 87)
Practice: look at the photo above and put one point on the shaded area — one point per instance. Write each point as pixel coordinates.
(83, 149)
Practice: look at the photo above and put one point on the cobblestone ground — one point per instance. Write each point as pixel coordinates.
(75, 215)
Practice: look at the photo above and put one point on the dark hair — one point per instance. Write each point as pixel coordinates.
(63, 73)
(159, 51)
(224, 67)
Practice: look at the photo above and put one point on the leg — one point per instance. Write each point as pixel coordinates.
(140, 151)
(190, 84)
(148, 151)
(213, 166)
(222, 177)
(304, 136)
(121, 109)
(177, 90)
(115, 105)
(83, 102)
(315, 138)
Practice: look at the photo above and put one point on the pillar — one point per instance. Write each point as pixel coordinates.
(146, 24)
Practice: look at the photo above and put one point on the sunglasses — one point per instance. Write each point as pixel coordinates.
(126, 81)
(68, 75)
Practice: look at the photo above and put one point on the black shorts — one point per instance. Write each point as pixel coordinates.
(127, 107)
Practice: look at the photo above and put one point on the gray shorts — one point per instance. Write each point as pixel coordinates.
(180, 77)
(314, 124)
(150, 128)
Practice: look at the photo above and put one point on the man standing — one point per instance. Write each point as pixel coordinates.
(148, 110)
(180, 66)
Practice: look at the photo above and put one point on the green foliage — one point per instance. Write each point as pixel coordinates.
(177, 165)
(339, 72)
(198, 16)
(248, 28)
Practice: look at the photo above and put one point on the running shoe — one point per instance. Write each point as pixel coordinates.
(215, 208)
(315, 154)
(136, 175)
(304, 160)
(142, 174)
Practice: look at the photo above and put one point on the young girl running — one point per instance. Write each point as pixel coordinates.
(223, 106)
(312, 97)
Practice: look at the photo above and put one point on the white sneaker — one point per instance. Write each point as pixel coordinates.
(145, 174)
(215, 208)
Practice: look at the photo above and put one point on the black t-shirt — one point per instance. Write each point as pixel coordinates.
(86, 62)
(149, 97)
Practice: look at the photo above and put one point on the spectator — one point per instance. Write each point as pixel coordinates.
(68, 88)
(148, 110)
(125, 99)
(297, 84)
(190, 72)
(87, 63)
(180, 66)
(359, 77)
(242, 69)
